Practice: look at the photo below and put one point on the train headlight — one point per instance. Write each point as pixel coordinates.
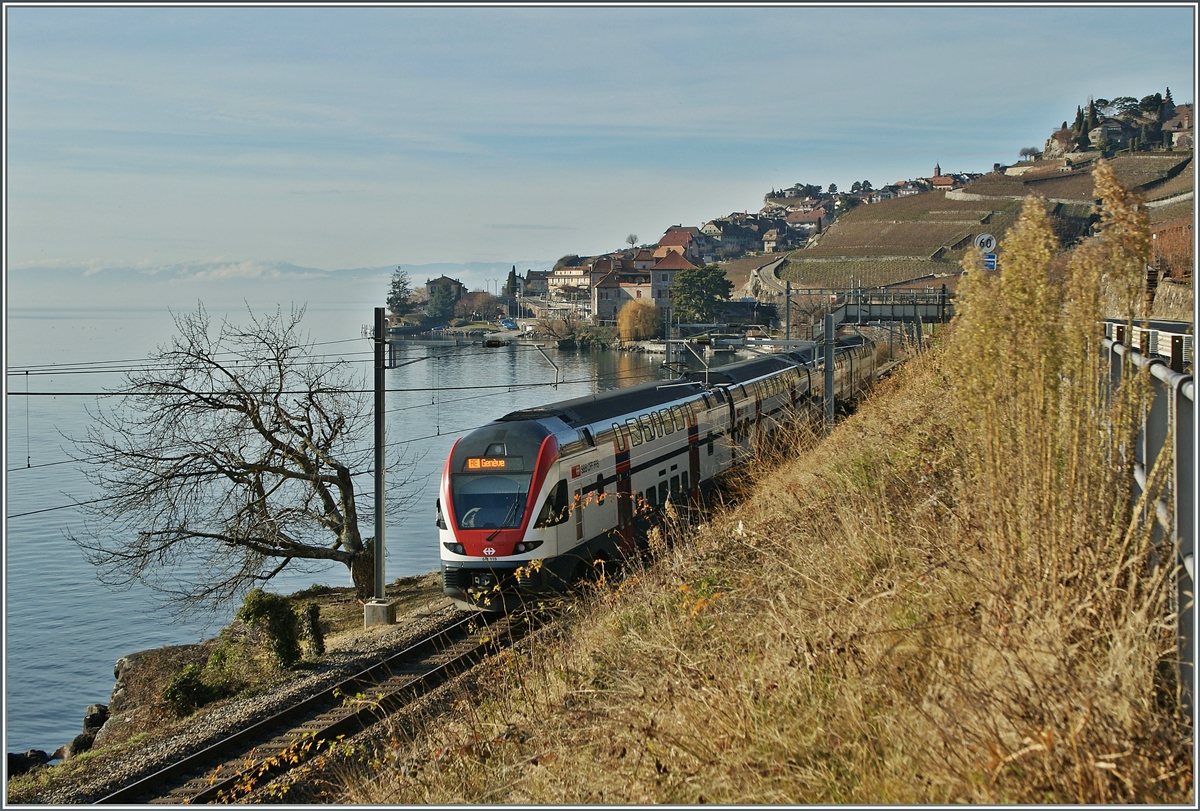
(456, 548)
(526, 546)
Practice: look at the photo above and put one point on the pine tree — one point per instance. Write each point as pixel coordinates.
(1091, 116)
(398, 296)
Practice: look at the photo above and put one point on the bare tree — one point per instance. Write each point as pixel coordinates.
(632, 240)
(564, 325)
(230, 455)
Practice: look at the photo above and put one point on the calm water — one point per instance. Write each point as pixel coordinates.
(64, 631)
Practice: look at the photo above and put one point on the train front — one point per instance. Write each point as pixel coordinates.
(495, 484)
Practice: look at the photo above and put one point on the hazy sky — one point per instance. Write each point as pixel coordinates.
(362, 137)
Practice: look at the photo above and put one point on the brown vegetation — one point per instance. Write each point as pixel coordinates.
(948, 600)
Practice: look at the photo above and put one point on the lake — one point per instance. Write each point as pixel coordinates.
(63, 629)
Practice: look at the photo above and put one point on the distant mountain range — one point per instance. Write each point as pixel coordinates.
(224, 284)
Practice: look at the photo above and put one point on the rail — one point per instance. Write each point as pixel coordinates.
(310, 725)
(1167, 425)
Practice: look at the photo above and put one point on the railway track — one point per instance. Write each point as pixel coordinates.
(230, 768)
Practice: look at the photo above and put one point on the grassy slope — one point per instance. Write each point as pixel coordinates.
(829, 641)
(944, 601)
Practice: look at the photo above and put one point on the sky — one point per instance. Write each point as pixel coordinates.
(226, 146)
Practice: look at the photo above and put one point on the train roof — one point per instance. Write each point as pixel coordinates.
(736, 373)
(594, 408)
(603, 406)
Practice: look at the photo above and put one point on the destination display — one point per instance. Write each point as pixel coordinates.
(475, 463)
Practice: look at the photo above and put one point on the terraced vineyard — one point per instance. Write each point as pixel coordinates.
(896, 238)
(832, 273)
(900, 239)
(928, 234)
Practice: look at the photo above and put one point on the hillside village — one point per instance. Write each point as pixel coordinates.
(908, 230)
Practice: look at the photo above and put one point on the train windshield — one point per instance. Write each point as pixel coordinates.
(490, 500)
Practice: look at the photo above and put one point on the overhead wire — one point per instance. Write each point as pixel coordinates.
(508, 387)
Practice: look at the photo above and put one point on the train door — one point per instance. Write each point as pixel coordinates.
(624, 490)
(578, 515)
(693, 429)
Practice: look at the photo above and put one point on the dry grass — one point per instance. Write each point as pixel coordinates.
(947, 600)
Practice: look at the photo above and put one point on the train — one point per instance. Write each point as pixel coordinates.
(534, 501)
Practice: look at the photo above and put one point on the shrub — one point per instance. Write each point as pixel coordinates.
(639, 320)
(312, 616)
(187, 691)
(275, 615)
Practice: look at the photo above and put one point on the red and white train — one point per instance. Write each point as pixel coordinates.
(529, 502)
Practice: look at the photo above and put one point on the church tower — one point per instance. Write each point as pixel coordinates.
(937, 170)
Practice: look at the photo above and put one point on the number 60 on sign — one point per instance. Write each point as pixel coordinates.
(985, 243)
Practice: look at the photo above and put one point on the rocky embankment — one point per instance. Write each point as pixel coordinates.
(136, 731)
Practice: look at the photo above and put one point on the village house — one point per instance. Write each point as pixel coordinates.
(615, 289)
(1179, 127)
(689, 241)
(663, 275)
(643, 259)
(1113, 130)
(536, 283)
(454, 285)
(812, 220)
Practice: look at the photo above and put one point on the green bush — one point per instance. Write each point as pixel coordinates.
(312, 615)
(187, 691)
(275, 615)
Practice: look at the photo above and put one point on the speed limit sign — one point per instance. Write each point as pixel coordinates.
(985, 243)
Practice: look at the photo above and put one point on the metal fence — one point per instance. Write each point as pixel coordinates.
(1168, 424)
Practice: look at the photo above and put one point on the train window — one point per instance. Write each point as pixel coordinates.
(683, 480)
(667, 421)
(663, 492)
(678, 418)
(587, 436)
(556, 509)
(647, 428)
(489, 501)
(620, 437)
(650, 501)
(635, 430)
(674, 485)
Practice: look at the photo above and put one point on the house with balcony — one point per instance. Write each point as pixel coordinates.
(567, 282)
